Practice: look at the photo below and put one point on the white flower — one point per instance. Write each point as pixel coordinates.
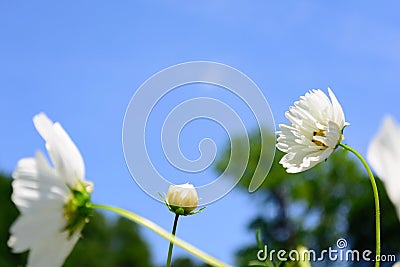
(182, 199)
(53, 201)
(316, 130)
(384, 156)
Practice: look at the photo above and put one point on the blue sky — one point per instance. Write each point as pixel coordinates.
(81, 62)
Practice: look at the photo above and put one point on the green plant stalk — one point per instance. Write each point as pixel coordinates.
(171, 244)
(260, 245)
(376, 197)
(163, 233)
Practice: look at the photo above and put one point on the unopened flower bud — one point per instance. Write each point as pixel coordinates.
(182, 199)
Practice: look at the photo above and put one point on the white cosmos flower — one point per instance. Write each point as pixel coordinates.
(315, 131)
(54, 202)
(384, 156)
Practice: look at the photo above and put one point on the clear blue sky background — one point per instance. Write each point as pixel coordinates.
(81, 62)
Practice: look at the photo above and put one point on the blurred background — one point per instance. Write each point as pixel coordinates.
(81, 62)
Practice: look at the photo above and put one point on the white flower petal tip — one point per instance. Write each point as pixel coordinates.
(63, 152)
(54, 207)
(384, 156)
(316, 129)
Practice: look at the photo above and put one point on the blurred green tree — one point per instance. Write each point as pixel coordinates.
(105, 242)
(8, 213)
(314, 208)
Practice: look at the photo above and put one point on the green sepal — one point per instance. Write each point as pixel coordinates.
(180, 210)
(78, 209)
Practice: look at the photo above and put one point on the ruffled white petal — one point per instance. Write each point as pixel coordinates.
(303, 160)
(384, 156)
(64, 154)
(315, 131)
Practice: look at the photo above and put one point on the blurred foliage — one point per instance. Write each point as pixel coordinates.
(187, 262)
(314, 208)
(104, 242)
(8, 213)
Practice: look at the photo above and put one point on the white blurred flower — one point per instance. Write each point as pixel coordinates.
(315, 131)
(54, 202)
(397, 264)
(182, 199)
(384, 156)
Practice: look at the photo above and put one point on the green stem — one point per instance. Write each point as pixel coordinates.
(171, 244)
(376, 197)
(160, 231)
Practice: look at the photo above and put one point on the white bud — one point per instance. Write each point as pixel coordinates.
(182, 196)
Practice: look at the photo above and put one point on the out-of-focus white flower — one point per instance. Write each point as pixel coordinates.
(316, 129)
(384, 156)
(182, 199)
(54, 202)
(397, 264)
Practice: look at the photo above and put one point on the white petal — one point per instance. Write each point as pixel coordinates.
(26, 167)
(57, 247)
(64, 154)
(30, 230)
(384, 156)
(304, 159)
(337, 109)
(35, 186)
(333, 135)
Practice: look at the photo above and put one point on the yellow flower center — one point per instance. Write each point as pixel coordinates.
(317, 142)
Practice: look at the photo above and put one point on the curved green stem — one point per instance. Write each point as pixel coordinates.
(171, 244)
(160, 231)
(376, 197)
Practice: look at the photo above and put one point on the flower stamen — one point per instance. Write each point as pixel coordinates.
(317, 142)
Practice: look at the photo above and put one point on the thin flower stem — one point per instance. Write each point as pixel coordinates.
(171, 244)
(376, 197)
(160, 231)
